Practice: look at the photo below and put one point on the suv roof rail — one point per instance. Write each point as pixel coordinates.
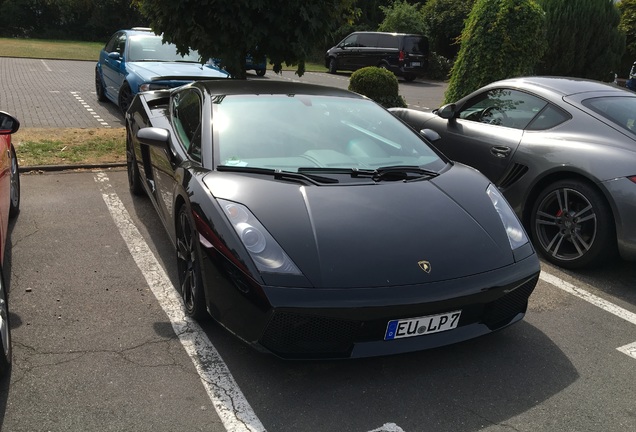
(141, 29)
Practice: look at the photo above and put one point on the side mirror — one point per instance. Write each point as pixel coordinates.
(8, 124)
(114, 55)
(447, 111)
(155, 137)
(430, 135)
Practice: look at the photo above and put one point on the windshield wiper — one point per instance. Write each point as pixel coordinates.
(401, 172)
(279, 174)
(397, 172)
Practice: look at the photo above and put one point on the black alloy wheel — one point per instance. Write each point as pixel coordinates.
(188, 265)
(333, 65)
(125, 98)
(99, 87)
(14, 191)
(5, 331)
(572, 225)
(134, 180)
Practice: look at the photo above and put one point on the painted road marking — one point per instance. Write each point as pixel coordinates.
(48, 69)
(228, 400)
(629, 349)
(90, 110)
(388, 427)
(597, 301)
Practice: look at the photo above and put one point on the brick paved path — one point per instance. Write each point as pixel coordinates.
(54, 93)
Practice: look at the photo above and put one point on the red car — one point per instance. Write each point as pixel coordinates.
(9, 208)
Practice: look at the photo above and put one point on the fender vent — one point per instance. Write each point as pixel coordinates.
(513, 175)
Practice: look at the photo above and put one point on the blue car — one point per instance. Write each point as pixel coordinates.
(137, 60)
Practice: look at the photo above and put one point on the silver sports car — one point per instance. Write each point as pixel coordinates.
(562, 151)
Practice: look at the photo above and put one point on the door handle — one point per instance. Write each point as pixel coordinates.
(500, 151)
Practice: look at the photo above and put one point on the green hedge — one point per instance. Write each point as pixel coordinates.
(378, 84)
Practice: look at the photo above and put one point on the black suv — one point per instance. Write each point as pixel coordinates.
(405, 55)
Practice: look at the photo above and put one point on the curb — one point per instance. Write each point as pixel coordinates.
(52, 168)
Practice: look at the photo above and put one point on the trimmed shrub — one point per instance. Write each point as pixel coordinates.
(378, 84)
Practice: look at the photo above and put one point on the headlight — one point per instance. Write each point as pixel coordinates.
(516, 233)
(264, 250)
(149, 86)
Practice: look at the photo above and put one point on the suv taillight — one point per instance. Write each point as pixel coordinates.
(401, 57)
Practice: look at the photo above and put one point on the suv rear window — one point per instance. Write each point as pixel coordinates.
(415, 45)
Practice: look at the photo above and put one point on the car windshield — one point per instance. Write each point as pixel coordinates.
(620, 110)
(292, 132)
(151, 48)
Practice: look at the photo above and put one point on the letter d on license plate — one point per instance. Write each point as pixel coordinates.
(398, 329)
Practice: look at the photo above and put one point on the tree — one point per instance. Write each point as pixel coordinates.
(627, 25)
(583, 38)
(502, 39)
(444, 22)
(66, 19)
(284, 30)
(402, 17)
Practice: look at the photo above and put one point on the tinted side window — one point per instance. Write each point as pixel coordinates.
(186, 120)
(387, 41)
(415, 45)
(351, 41)
(503, 107)
(548, 118)
(367, 40)
(113, 43)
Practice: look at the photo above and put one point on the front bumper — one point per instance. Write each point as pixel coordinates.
(301, 323)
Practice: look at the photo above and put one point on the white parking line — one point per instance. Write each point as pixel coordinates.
(628, 316)
(48, 69)
(388, 427)
(228, 400)
(88, 108)
(629, 349)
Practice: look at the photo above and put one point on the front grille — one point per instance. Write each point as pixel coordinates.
(291, 334)
(501, 311)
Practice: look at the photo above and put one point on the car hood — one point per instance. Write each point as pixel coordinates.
(149, 70)
(384, 234)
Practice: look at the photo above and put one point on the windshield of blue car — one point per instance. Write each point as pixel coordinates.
(151, 48)
(620, 110)
(292, 132)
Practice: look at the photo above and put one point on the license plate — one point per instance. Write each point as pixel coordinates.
(416, 64)
(398, 329)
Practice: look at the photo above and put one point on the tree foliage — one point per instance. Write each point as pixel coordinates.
(627, 25)
(502, 39)
(444, 21)
(66, 19)
(402, 17)
(583, 38)
(284, 30)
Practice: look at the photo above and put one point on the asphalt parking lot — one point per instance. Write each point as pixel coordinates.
(101, 345)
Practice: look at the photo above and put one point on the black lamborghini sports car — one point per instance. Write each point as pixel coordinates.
(312, 223)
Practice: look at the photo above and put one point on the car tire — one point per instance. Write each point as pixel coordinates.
(134, 179)
(99, 87)
(410, 77)
(260, 72)
(188, 265)
(125, 98)
(333, 65)
(5, 330)
(572, 225)
(14, 191)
